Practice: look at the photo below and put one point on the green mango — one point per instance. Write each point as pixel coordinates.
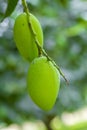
(24, 38)
(43, 82)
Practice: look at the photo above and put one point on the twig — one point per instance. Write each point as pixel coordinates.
(40, 49)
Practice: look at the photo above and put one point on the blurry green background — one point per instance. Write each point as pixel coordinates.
(64, 24)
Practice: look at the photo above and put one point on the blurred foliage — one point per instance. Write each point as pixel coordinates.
(10, 7)
(58, 124)
(64, 25)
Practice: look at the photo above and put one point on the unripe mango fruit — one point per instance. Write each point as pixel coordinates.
(43, 83)
(24, 38)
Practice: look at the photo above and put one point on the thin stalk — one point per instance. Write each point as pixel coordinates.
(25, 7)
(40, 49)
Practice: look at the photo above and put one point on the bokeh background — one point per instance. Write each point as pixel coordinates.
(64, 24)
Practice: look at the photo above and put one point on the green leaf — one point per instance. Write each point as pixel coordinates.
(10, 7)
(76, 29)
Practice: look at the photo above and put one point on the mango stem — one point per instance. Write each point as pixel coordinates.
(40, 49)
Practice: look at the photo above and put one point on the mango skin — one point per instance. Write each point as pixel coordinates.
(43, 82)
(24, 38)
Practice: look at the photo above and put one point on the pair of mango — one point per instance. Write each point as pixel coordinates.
(43, 78)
